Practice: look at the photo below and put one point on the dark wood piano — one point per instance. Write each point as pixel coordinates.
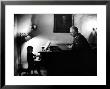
(67, 63)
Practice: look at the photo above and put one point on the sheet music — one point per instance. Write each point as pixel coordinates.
(47, 45)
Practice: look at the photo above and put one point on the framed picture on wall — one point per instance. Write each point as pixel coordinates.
(62, 23)
(57, 17)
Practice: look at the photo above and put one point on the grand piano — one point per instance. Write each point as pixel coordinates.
(59, 62)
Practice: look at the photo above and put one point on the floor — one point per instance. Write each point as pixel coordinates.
(35, 73)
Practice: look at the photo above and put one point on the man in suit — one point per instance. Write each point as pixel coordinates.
(80, 43)
(84, 56)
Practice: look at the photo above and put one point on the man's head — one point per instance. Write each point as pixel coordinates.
(73, 30)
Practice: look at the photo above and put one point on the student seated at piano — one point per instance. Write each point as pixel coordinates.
(30, 60)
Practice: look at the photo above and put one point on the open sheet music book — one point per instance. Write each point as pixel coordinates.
(47, 45)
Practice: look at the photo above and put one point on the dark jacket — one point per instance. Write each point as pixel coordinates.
(80, 43)
(30, 58)
(86, 59)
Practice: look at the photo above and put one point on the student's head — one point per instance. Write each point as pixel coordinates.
(73, 30)
(29, 49)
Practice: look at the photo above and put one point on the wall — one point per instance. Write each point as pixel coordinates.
(85, 23)
(46, 26)
(22, 23)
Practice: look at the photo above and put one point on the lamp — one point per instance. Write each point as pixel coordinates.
(34, 27)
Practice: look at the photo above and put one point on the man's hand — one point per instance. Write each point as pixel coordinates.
(69, 45)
